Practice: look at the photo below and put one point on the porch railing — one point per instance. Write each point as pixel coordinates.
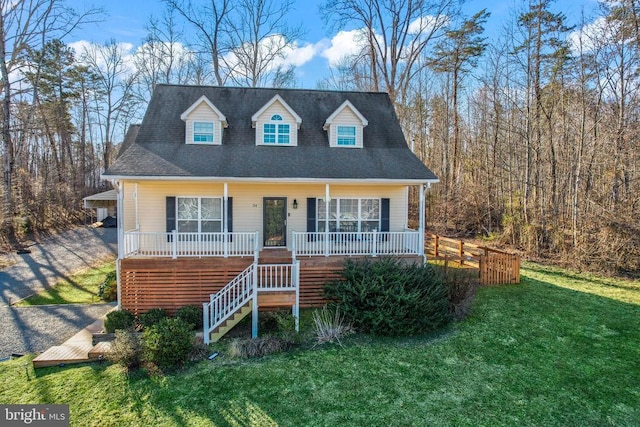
(373, 243)
(176, 244)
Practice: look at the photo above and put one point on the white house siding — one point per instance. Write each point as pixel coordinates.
(248, 201)
(129, 207)
(203, 113)
(288, 118)
(346, 117)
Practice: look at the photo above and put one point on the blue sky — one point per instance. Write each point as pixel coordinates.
(126, 20)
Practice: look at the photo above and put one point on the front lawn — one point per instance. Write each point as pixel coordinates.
(545, 352)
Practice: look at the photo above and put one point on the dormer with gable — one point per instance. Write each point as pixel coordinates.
(204, 123)
(276, 123)
(345, 126)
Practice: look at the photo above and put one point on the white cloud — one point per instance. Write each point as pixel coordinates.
(426, 24)
(345, 44)
(584, 39)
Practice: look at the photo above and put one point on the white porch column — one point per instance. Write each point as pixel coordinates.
(327, 200)
(421, 229)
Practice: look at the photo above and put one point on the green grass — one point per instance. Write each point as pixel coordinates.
(542, 353)
(79, 288)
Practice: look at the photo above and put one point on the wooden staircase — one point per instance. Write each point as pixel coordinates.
(270, 282)
(232, 321)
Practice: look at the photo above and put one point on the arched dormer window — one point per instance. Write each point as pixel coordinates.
(276, 132)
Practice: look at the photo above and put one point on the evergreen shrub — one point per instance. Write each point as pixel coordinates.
(390, 297)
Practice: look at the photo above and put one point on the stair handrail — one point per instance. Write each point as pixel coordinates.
(227, 300)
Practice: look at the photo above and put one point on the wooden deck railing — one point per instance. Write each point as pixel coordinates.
(176, 244)
(494, 266)
(372, 243)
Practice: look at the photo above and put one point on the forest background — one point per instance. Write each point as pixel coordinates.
(532, 130)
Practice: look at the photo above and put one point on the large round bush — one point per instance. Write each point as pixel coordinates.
(390, 297)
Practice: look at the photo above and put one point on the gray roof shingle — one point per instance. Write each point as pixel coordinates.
(159, 149)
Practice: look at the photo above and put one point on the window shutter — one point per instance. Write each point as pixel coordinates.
(384, 215)
(171, 216)
(230, 216)
(311, 216)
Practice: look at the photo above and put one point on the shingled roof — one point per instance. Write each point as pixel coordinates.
(159, 149)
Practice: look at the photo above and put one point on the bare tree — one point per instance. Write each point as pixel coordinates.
(210, 21)
(115, 80)
(260, 38)
(397, 34)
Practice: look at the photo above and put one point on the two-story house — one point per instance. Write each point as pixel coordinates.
(243, 197)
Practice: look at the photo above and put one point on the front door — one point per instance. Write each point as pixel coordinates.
(275, 221)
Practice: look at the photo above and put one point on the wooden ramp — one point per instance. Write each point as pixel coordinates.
(77, 349)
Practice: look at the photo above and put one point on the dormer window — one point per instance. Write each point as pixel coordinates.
(345, 127)
(203, 132)
(346, 135)
(276, 123)
(276, 132)
(203, 123)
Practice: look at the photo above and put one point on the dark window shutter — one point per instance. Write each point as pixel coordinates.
(230, 217)
(384, 215)
(171, 214)
(311, 216)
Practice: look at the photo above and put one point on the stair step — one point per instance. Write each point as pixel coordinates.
(232, 321)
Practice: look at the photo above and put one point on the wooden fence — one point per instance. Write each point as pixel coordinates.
(494, 266)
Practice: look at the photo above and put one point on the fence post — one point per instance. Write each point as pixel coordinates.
(435, 245)
(461, 252)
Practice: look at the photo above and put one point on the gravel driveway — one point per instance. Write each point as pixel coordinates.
(34, 329)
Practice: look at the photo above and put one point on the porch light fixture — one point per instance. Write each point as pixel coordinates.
(295, 204)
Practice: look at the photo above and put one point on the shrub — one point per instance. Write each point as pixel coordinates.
(119, 319)
(191, 315)
(258, 347)
(390, 297)
(167, 343)
(152, 317)
(463, 285)
(330, 326)
(126, 349)
(108, 289)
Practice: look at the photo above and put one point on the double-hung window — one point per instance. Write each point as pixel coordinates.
(276, 132)
(349, 215)
(203, 132)
(346, 136)
(199, 214)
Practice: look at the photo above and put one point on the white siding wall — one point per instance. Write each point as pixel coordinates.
(203, 113)
(277, 108)
(129, 207)
(248, 202)
(346, 117)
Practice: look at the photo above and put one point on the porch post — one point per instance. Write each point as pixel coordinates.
(421, 228)
(254, 303)
(225, 229)
(327, 200)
